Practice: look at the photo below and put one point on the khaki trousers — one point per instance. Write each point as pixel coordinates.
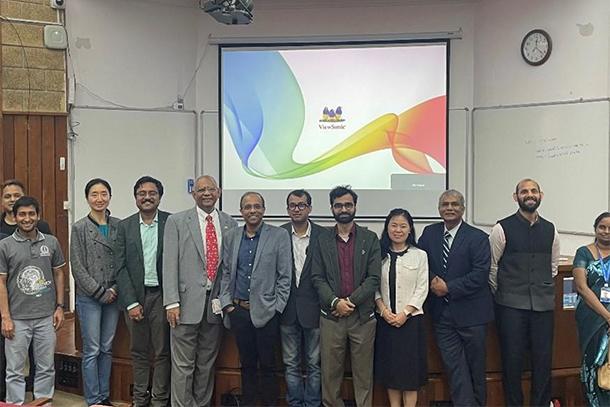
(335, 337)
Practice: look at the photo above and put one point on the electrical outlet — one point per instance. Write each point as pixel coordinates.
(179, 105)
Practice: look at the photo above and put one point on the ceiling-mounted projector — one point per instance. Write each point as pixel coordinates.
(229, 11)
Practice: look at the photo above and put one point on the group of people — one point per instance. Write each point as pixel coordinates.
(181, 279)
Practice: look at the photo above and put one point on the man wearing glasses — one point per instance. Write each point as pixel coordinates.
(346, 271)
(139, 271)
(301, 317)
(191, 282)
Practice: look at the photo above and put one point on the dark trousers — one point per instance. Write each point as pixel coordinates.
(519, 330)
(463, 352)
(150, 335)
(256, 345)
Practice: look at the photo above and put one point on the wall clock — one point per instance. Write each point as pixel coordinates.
(536, 47)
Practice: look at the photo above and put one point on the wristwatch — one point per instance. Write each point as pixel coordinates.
(61, 305)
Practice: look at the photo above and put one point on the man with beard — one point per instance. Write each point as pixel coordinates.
(139, 268)
(255, 285)
(301, 318)
(524, 260)
(346, 271)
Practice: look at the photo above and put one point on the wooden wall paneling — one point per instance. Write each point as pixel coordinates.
(2, 148)
(34, 180)
(21, 147)
(8, 148)
(61, 192)
(48, 171)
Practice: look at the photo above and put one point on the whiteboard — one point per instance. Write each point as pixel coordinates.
(120, 146)
(562, 146)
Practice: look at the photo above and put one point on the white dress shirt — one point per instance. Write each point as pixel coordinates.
(299, 251)
(203, 223)
(452, 232)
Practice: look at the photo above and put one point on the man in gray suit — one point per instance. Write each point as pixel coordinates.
(256, 276)
(139, 271)
(191, 282)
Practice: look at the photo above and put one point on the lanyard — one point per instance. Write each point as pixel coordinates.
(605, 266)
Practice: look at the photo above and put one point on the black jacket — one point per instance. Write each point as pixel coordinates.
(303, 304)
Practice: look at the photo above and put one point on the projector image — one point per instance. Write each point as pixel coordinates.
(230, 12)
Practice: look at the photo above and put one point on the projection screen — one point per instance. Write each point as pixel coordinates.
(373, 116)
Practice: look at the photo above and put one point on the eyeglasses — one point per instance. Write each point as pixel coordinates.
(143, 194)
(301, 205)
(203, 190)
(348, 206)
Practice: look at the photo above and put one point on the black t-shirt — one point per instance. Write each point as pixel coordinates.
(7, 229)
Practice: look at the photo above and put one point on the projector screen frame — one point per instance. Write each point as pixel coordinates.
(334, 44)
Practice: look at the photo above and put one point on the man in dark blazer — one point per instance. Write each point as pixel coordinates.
(301, 317)
(459, 301)
(191, 283)
(139, 268)
(346, 271)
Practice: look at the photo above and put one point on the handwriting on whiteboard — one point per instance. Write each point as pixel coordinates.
(552, 150)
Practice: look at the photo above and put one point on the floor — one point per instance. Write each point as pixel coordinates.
(66, 346)
(63, 399)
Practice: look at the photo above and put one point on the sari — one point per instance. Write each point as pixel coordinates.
(592, 330)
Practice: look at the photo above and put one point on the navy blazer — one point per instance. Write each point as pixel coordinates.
(303, 304)
(468, 266)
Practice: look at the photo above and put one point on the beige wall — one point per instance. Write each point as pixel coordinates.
(33, 77)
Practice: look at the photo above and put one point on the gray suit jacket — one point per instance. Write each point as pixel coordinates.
(271, 275)
(184, 276)
(92, 257)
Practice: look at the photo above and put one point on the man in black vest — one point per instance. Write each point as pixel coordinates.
(524, 260)
(301, 318)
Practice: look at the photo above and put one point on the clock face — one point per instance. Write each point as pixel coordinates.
(536, 47)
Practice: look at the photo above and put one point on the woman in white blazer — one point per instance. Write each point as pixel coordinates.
(400, 343)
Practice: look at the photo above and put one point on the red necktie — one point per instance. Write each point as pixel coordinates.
(211, 246)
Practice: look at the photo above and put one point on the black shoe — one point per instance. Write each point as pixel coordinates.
(29, 384)
(106, 402)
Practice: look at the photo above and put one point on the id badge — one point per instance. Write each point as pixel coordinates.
(218, 311)
(604, 295)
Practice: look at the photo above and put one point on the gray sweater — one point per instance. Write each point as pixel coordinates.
(92, 258)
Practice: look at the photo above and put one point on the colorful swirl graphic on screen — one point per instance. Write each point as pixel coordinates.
(264, 112)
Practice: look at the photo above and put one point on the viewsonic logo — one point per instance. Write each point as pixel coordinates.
(332, 116)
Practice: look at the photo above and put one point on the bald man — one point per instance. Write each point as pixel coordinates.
(524, 261)
(191, 282)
